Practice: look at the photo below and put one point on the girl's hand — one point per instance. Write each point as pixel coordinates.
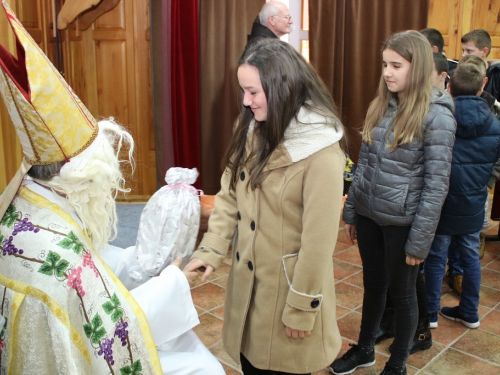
(190, 276)
(295, 333)
(199, 265)
(411, 261)
(350, 232)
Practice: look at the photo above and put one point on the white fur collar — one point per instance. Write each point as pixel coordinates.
(310, 134)
(303, 138)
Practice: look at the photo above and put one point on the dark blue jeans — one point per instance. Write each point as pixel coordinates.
(382, 250)
(466, 249)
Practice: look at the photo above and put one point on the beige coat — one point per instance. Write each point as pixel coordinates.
(284, 237)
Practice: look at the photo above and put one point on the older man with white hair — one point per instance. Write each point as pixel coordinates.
(273, 21)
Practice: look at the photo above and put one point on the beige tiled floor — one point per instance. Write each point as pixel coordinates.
(456, 350)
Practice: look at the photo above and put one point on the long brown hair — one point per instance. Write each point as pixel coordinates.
(289, 84)
(414, 105)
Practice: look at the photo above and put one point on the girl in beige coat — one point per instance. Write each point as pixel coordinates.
(279, 206)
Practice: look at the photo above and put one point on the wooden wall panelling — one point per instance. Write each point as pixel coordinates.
(486, 15)
(123, 81)
(454, 18)
(445, 15)
(464, 25)
(108, 67)
(114, 64)
(143, 96)
(435, 20)
(457, 15)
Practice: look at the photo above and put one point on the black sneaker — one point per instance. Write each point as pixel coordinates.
(390, 370)
(453, 313)
(351, 360)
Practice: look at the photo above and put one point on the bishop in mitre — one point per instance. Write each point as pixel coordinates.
(63, 309)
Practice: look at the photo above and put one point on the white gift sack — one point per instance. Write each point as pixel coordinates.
(169, 224)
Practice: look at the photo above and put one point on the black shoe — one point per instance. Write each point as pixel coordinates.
(386, 329)
(390, 370)
(453, 313)
(423, 337)
(352, 359)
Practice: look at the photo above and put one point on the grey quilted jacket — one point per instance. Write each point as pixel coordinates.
(407, 186)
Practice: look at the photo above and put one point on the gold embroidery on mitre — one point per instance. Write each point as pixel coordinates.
(54, 122)
(26, 130)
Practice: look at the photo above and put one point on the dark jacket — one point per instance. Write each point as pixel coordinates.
(259, 31)
(452, 65)
(490, 100)
(407, 186)
(493, 85)
(477, 148)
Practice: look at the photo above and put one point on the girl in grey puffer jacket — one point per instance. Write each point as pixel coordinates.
(395, 199)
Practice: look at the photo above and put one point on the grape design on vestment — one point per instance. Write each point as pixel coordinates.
(121, 332)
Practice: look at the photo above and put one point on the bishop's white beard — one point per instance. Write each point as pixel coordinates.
(93, 181)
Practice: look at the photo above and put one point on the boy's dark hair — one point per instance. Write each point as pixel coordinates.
(480, 37)
(434, 37)
(466, 79)
(440, 62)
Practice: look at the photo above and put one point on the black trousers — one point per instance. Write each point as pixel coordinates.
(423, 310)
(382, 250)
(249, 369)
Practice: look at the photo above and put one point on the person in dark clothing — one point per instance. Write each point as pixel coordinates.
(454, 274)
(436, 40)
(400, 184)
(478, 42)
(273, 21)
(476, 149)
(422, 340)
(440, 72)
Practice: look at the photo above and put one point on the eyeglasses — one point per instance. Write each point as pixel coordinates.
(288, 18)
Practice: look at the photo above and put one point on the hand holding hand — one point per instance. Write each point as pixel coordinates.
(295, 333)
(190, 276)
(199, 265)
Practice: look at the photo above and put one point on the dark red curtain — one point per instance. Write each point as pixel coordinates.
(345, 37)
(224, 26)
(184, 55)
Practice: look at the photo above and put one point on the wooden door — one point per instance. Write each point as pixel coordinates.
(486, 15)
(108, 66)
(454, 18)
(444, 15)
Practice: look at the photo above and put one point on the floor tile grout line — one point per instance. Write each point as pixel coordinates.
(445, 348)
(476, 357)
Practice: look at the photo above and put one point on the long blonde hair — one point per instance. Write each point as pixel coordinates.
(414, 105)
